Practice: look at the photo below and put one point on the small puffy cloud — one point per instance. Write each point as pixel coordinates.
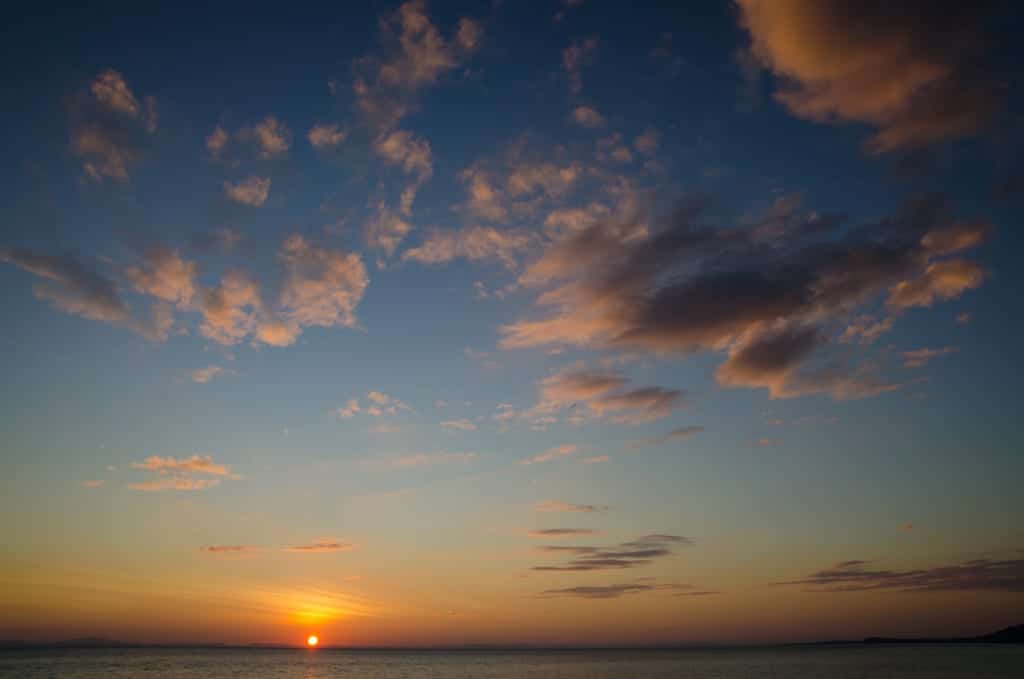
(473, 243)
(230, 310)
(909, 69)
(551, 454)
(919, 358)
(322, 136)
(321, 287)
(461, 425)
(202, 464)
(386, 229)
(204, 375)
(217, 141)
(109, 126)
(271, 136)
(587, 116)
(552, 506)
(412, 154)
(425, 459)
(349, 410)
(252, 191)
(164, 274)
(323, 546)
(648, 142)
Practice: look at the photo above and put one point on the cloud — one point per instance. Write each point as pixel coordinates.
(940, 281)
(252, 191)
(322, 136)
(463, 425)
(560, 532)
(639, 552)
(92, 483)
(412, 154)
(770, 295)
(321, 287)
(174, 483)
(230, 311)
(976, 575)
(865, 329)
(229, 549)
(271, 136)
(414, 55)
(424, 459)
(181, 474)
(217, 141)
(604, 395)
(588, 116)
(204, 375)
(963, 318)
(348, 410)
(473, 243)
(551, 454)
(911, 70)
(594, 460)
(109, 126)
(919, 358)
(680, 434)
(618, 590)
(552, 506)
(574, 58)
(324, 546)
(70, 286)
(647, 142)
(386, 229)
(165, 275)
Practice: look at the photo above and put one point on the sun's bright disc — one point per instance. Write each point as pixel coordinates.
(312, 640)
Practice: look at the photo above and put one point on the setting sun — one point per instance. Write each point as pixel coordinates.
(312, 641)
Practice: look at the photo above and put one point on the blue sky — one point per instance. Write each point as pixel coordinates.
(406, 284)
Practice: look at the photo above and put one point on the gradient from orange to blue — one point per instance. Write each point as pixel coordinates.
(496, 323)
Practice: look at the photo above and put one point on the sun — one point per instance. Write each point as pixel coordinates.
(312, 641)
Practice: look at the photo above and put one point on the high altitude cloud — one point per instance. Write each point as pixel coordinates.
(473, 243)
(109, 126)
(769, 297)
(190, 473)
(975, 575)
(639, 552)
(909, 69)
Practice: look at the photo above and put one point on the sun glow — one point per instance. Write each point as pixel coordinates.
(312, 641)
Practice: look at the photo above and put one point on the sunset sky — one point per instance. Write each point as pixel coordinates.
(511, 322)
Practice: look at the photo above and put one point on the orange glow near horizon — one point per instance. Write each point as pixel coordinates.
(312, 641)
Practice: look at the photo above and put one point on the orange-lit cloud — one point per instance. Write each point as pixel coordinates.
(324, 546)
(551, 454)
(552, 506)
(908, 69)
(919, 358)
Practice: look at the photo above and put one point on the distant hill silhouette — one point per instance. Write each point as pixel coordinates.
(1011, 635)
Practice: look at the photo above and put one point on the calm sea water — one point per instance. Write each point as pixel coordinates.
(875, 662)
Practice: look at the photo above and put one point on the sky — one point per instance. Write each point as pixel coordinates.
(511, 323)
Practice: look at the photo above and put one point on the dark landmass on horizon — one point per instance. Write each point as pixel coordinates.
(1009, 635)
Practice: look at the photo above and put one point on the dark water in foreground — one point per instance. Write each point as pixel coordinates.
(934, 661)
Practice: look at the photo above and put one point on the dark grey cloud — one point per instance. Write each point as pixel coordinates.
(773, 295)
(975, 575)
(615, 591)
(639, 552)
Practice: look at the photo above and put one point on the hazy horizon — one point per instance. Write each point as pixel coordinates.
(562, 323)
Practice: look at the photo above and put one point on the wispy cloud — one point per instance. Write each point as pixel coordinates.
(206, 374)
(639, 552)
(560, 532)
(551, 454)
(324, 546)
(230, 549)
(462, 425)
(422, 459)
(181, 473)
(552, 506)
(975, 575)
(92, 483)
(622, 589)
(680, 434)
(919, 358)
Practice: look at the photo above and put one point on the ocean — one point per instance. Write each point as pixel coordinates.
(931, 661)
